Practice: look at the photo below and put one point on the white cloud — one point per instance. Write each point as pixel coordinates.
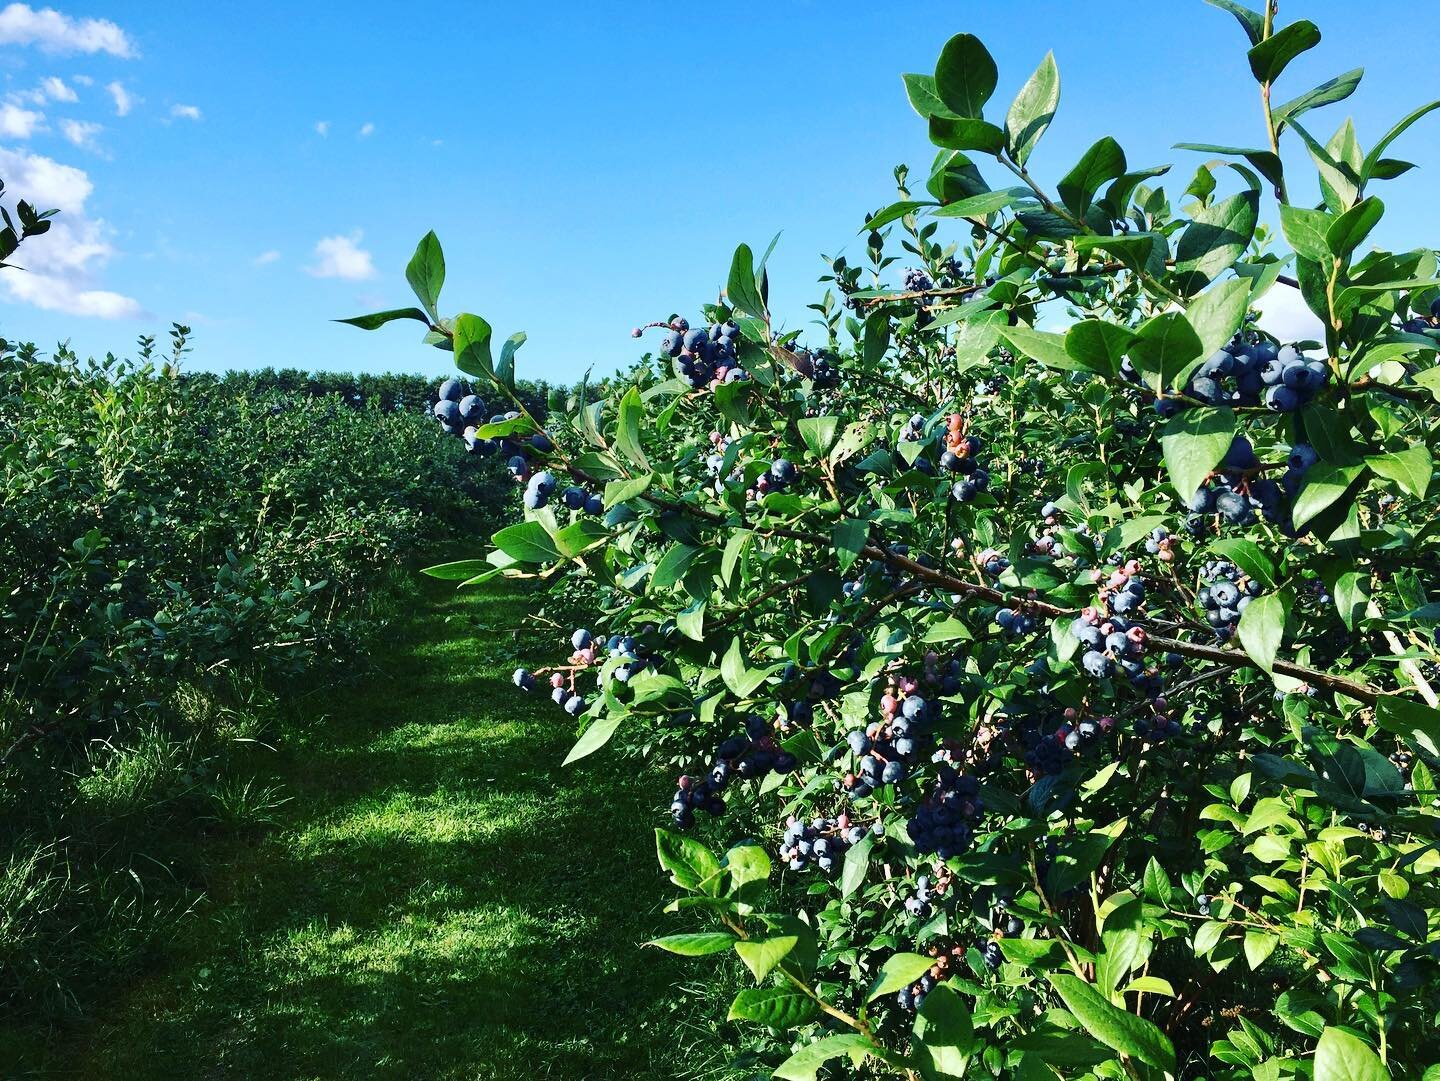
(322, 128)
(1284, 314)
(81, 132)
(20, 24)
(18, 123)
(55, 89)
(265, 258)
(124, 100)
(367, 129)
(62, 265)
(188, 112)
(341, 257)
(83, 80)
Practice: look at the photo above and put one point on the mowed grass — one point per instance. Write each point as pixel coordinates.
(441, 900)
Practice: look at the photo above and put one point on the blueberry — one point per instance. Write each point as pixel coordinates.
(452, 390)
(574, 499)
(672, 343)
(472, 409)
(523, 679)
(448, 412)
(1282, 399)
(594, 504)
(581, 638)
(1302, 457)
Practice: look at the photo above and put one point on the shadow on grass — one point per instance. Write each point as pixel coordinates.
(444, 901)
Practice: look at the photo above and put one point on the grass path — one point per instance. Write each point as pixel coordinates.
(441, 900)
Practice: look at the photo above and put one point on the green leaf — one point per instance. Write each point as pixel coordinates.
(1372, 159)
(426, 272)
(1258, 946)
(1098, 345)
(944, 1035)
(742, 680)
(1410, 468)
(1032, 110)
(457, 571)
(819, 433)
(505, 370)
(1117, 1029)
(966, 133)
(899, 970)
(848, 537)
(673, 565)
(978, 206)
(741, 289)
(1193, 443)
(472, 346)
(1042, 345)
(1412, 721)
(747, 863)
(1351, 591)
(804, 1065)
(1327, 93)
(1215, 315)
(628, 424)
(1340, 1056)
(1346, 232)
(595, 737)
(763, 954)
(920, 89)
(857, 863)
(1266, 162)
(700, 944)
(1246, 555)
(1252, 22)
(689, 862)
(965, 75)
(379, 319)
(1324, 484)
(1269, 57)
(1262, 627)
(894, 212)
(1164, 346)
(780, 1007)
(621, 491)
(1105, 160)
(1216, 236)
(1306, 231)
(527, 542)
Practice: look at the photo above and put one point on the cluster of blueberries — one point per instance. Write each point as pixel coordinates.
(1013, 621)
(944, 823)
(703, 356)
(887, 749)
(461, 412)
(541, 486)
(910, 998)
(1235, 493)
(1158, 727)
(781, 474)
(822, 841)
(1161, 545)
(1112, 642)
(917, 281)
(993, 563)
(818, 366)
(1226, 593)
(750, 757)
(1050, 747)
(1249, 373)
(960, 455)
(1418, 324)
(918, 903)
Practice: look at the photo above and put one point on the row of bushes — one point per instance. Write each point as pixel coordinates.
(173, 549)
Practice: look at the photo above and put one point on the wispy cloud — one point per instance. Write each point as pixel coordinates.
(56, 90)
(341, 257)
(18, 123)
(61, 272)
(81, 132)
(265, 258)
(124, 100)
(185, 112)
(322, 128)
(367, 129)
(53, 32)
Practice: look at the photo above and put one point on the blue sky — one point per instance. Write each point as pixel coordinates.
(587, 167)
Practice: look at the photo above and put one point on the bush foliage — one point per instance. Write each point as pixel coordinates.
(1072, 633)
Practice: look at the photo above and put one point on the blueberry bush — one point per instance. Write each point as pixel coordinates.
(1044, 649)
